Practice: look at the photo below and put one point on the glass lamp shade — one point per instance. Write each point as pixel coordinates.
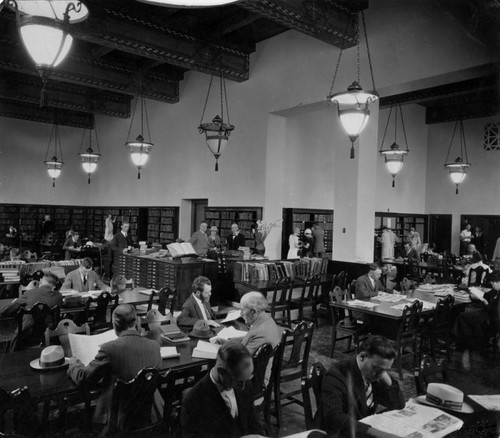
(354, 121)
(458, 171)
(189, 3)
(89, 161)
(54, 9)
(54, 167)
(394, 159)
(139, 152)
(217, 135)
(457, 175)
(393, 165)
(45, 40)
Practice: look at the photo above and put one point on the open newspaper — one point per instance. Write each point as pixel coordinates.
(415, 421)
(85, 347)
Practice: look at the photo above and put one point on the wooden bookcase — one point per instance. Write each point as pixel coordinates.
(223, 217)
(305, 218)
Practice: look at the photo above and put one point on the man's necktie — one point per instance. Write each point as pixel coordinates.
(85, 280)
(369, 396)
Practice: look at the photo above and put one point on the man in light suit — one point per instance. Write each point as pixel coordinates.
(369, 285)
(84, 278)
(263, 329)
(197, 306)
(352, 389)
(221, 403)
(199, 240)
(124, 358)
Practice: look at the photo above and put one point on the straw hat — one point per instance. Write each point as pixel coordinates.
(201, 330)
(51, 358)
(446, 397)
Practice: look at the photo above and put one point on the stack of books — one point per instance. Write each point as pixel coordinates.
(172, 333)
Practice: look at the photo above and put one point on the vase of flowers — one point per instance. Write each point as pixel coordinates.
(260, 234)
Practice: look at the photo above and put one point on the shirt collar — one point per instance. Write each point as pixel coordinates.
(359, 368)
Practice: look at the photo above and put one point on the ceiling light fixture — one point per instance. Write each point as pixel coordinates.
(394, 155)
(54, 165)
(217, 131)
(352, 105)
(88, 157)
(139, 148)
(458, 168)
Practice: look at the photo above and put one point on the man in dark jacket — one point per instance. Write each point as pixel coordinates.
(235, 239)
(221, 403)
(352, 389)
(197, 305)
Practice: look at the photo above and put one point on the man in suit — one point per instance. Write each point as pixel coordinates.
(411, 252)
(263, 329)
(72, 245)
(124, 357)
(369, 285)
(120, 243)
(84, 278)
(197, 306)
(221, 403)
(319, 240)
(199, 240)
(353, 387)
(235, 239)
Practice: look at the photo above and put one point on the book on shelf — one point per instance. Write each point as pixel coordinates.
(181, 249)
(205, 350)
(415, 421)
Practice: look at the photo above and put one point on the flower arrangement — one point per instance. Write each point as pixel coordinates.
(263, 229)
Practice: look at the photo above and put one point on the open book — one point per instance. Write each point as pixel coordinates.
(489, 402)
(230, 333)
(181, 249)
(415, 421)
(85, 347)
(205, 350)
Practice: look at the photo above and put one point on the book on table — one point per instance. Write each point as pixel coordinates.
(181, 249)
(205, 350)
(172, 333)
(85, 347)
(169, 352)
(415, 421)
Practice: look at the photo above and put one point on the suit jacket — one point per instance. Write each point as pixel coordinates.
(119, 242)
(191, 312)
(343, 399)
(263, 331)
(125, 357)
(74, 281)
(413, 254)
(364, 288)
(204, 413)
(70, 244)
(234, 242)
(199, 240)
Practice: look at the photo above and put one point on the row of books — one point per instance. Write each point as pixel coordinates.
(263, 271)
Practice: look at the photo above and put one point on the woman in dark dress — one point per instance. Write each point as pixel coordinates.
(474, 328)
(307, 243)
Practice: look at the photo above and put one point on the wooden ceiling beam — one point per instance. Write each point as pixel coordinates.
(26, 88)
(129, 33)
(31, 112)
(325, 20)
(236, 21)
(95, 74)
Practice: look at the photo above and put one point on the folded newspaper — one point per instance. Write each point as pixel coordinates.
(415, 421)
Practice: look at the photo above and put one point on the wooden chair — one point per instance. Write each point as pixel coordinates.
(291, 364)
(430, 371)
(166, 300)
(97, 316)
(407, 336)
(436, 333)
(174, 383)
(61, 332)
(309, 297)
(43, 317)
(132, 403)
(411, 268)
(340, 280)
(312, 381)
(10, 328)
(18, 413)
(344, 325)
(280, 302)
(476, 276)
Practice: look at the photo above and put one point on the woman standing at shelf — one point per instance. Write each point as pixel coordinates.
(214, 242)
(388, 240)
(294, 244)
(109, 227)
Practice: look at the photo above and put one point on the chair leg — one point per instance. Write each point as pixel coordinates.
(334, 339)
(349, 343)
(277, 403)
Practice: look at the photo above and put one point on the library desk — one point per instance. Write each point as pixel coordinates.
(265, 286)
(49, 385)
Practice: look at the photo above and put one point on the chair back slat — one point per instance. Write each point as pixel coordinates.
(261, 360)
(430, 371)
(410, 320)
(313, 381)
(99, 312)
(476, 276)
(166, 300)
(43, 317)
(64, 327)
(297, 343)
(311, 288)
(10, 327)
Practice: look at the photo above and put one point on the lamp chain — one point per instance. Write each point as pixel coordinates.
(386, 127)
(206, 99)
(403, 126)
(395, 126)
(133, 117)
(451, 142)
(50, 141)
(358, 72)
(339, 58)
(368, 49)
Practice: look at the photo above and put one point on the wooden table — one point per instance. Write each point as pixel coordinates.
(427, 267)
(265, 286)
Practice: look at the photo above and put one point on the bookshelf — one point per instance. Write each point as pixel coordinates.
(223, 217)
(162, 225)
(305, 218)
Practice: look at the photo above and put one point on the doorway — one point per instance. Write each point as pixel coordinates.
(198, 213)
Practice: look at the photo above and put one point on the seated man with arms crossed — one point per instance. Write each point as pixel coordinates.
(263, 329)
(197, 306)
(352, 389)
(221, 403)
(84, 278)
(124, 356)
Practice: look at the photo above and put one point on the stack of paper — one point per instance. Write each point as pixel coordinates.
(205, 350)
(359, 303)
(388, 298)
(230, 333)
(168, 352)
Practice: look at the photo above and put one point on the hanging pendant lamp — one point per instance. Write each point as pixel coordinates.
(217, 131)
(54, 164)
(44, 29)
(88, 157)
(394, 155)
(139, 148)
(353, 104)
(458, 168)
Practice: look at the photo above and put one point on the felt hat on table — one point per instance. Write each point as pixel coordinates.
(201, 330)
